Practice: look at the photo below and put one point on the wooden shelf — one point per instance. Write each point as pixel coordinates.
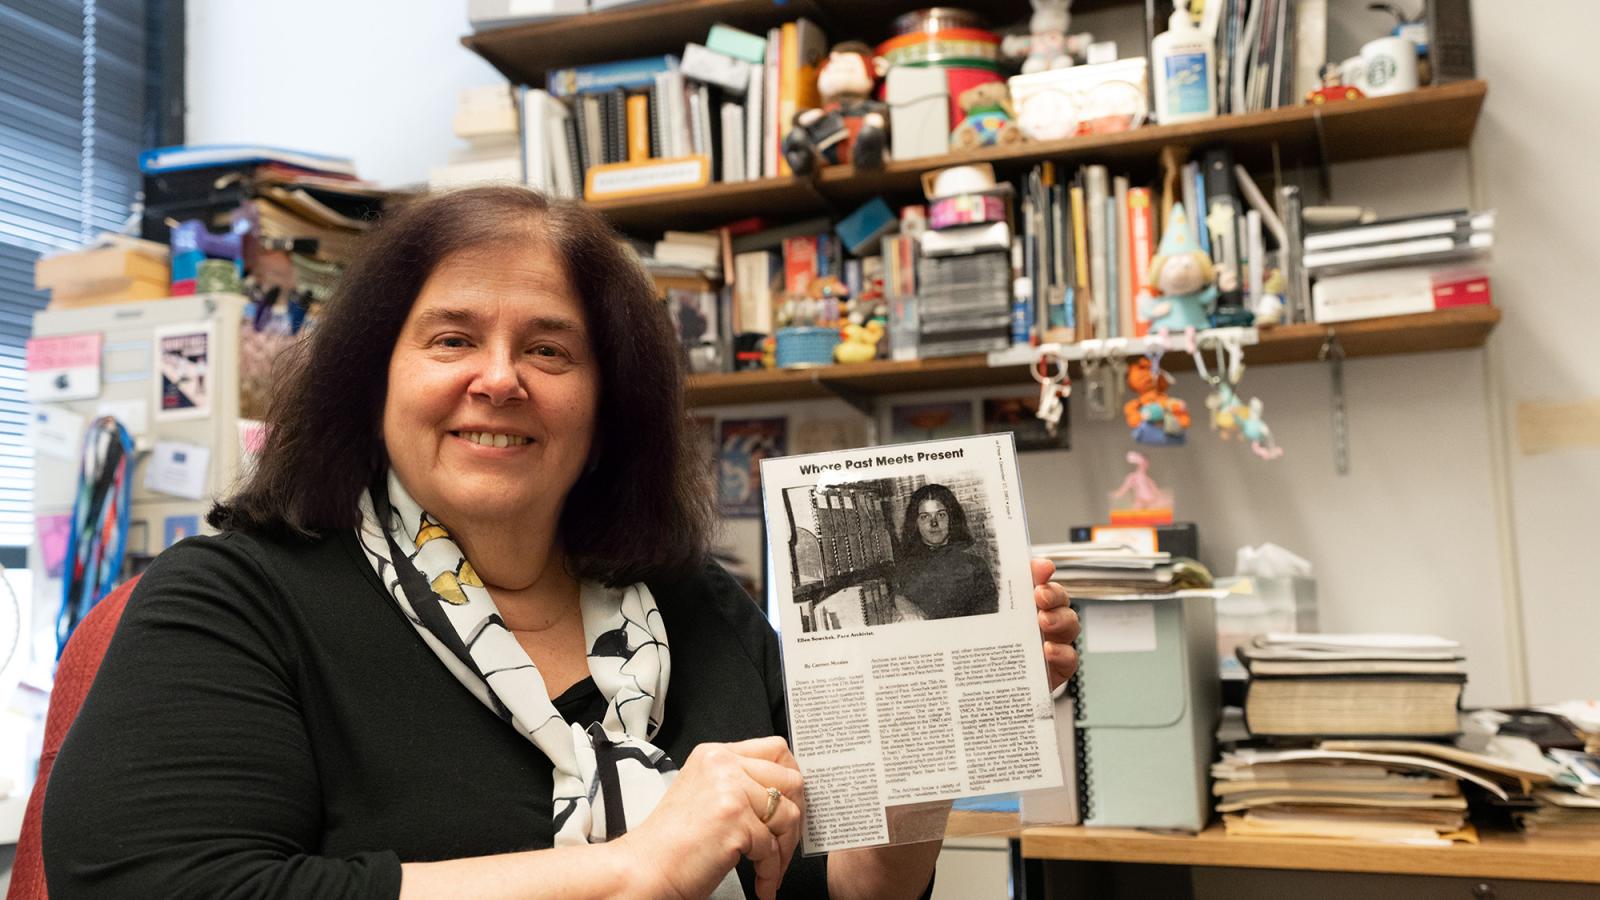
(523, 53)
(1450, 329)
(716, 204)
(1500, 855)
(1433, 118)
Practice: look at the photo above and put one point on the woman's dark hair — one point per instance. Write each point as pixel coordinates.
(911, 545)
(642, 510)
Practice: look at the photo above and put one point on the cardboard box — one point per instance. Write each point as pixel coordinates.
(126, 292)
(97, 270)
(1397, 292)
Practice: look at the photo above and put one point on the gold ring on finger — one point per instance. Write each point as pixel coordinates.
(773, 797)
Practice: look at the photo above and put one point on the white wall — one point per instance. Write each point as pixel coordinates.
(375, 80)
(1442, 524)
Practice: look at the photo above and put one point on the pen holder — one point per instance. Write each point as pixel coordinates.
(799, 348)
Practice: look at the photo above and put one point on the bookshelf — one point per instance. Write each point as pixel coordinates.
(1449, 329)
(1432, 118)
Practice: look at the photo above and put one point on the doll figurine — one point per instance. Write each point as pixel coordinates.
(1046, 41)
(1183, 275)
(1156, 418)
(849, 126)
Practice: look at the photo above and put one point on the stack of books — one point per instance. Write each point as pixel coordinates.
(486, 118)
(718, 112)
(1349, 685)
(1115, 570)
(1399, 266)
(1405, 791)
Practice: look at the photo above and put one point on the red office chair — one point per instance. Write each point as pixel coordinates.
(74, 674)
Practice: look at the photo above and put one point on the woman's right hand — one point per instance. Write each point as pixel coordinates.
(711, 815)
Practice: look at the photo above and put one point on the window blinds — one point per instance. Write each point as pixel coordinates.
(72, 119)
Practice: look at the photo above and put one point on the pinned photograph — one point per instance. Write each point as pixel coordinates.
(183, 362)
(929, 421)
(1020, 416)
(742, 445)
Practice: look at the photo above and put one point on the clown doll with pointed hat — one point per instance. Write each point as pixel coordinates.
(1182, 279)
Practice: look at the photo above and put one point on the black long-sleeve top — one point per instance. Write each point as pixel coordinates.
(267, 724)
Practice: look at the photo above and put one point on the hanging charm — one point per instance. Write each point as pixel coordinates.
(1156, 418)
(1097, 402)
(1055, 386)
(1231, 416)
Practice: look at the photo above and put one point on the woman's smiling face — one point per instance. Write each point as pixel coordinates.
(493, 387)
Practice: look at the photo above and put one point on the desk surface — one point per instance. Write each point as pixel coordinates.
(1500, 854)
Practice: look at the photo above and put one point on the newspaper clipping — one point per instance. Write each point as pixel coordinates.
(910, 641)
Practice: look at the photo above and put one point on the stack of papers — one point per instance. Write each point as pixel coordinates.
(1110, 570)
(1571, 806)
(1402, 791)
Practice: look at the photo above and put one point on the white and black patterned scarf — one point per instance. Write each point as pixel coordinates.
(607, 777)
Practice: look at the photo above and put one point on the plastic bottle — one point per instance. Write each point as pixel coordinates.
(1185, 72)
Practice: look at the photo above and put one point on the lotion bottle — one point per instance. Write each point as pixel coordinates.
(1184, 70)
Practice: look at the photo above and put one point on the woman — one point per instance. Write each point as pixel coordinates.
(430, 653)
(939, 575)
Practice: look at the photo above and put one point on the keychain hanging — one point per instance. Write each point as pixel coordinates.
(1229, 415)
(1055, 386)
(1155, 417)
(1097, 404)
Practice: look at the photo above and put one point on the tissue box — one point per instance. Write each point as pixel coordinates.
(1255, 605)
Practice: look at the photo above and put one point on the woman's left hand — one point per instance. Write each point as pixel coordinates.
(1058, 623)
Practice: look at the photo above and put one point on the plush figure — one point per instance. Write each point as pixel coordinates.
(1156, 418)
(1183, 275)
(1269, 306)
(1046, 43)
(1230, 416)
(849, 126)
(989, 118)
(1333, 87)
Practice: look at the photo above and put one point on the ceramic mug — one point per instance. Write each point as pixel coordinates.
(1391, 66)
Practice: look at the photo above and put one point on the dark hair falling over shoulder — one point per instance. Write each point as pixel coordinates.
(641, 511)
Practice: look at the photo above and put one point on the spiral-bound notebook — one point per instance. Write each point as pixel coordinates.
(1145, 704)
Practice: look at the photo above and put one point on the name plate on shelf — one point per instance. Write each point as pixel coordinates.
(655, 176)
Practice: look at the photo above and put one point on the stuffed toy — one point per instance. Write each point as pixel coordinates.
(1182, 274)
(989, 119)
(1156, 418)
(1046, 43)
(849, 126)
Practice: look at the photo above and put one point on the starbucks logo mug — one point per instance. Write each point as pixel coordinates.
(1389, 66)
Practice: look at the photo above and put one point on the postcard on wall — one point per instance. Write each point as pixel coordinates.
(1020, 416)
(183, 360)
(911, 652)
(741, 446)
(930, 421)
